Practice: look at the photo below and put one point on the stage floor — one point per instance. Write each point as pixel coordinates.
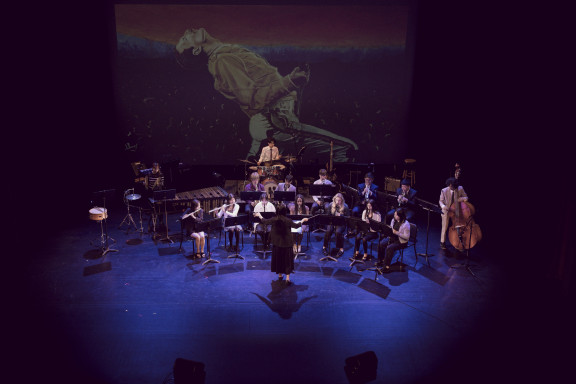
(126, 317)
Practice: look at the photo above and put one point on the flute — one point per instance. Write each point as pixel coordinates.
(215, 209)
(191, 214)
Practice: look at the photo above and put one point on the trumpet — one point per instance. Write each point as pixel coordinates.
(215, 209)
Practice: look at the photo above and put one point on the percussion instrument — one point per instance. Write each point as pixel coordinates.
(246, 161)
(290, 159)
(98, 213)
(270, 185)
(253, 168)
(263, 170)
(133, 197)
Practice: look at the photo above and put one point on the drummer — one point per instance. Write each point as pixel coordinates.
(269, 153)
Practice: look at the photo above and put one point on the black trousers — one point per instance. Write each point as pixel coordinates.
(339, 231)
(364, 238)
(386, 249)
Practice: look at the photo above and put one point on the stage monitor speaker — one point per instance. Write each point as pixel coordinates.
(189, 372)
(391, 184)
(361, 368)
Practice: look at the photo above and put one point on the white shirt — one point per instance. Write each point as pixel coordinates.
(446, 197)
(404, 231)
(269, 154)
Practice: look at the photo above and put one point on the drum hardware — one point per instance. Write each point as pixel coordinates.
(128, 219)
(100, 214)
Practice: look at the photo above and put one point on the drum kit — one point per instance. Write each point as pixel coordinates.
(271, 172)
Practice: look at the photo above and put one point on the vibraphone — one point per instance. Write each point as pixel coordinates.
(210, 198)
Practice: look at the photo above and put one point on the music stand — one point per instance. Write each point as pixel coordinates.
(324, 190)
(207, 226)
(336, 221)
(232, 221)
(357, 225)
(265, 215)
(104, 194)
(387, 198)
(164, 195)
(427, 206)
(284, 196)
(297, 218)
(251, 195)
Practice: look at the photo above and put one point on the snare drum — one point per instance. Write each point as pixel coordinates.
(98, 213)
(270, 186)
(276, 170)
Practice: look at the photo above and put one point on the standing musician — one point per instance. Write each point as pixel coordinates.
(287, 185)
(263, 206)
(366, 191)
(452, 193)
(269, 153)
(195, 214)
(406, 200)
(370, 213)
(231, 210)
(253, 186)
(337, 208)
(399, 239)
(323, 179)
(299, 208)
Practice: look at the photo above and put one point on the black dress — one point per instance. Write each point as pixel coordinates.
(281, 238)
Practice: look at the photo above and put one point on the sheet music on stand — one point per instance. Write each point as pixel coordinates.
(357, 225)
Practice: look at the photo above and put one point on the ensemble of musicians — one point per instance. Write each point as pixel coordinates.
(373, 215)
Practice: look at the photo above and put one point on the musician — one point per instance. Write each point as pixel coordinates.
(399, 240)
(337, 208)
(323, 179)
(453, 192)
(269, 153)
(253, 186)
(263, 206)
(231, 210)
(155, 180)
(195, 214)
(369, 213)
(287, 185)
(406, 200)
(282, 261)
(299, 208)
(365, 191)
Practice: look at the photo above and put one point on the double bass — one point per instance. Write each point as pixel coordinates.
(463, 233)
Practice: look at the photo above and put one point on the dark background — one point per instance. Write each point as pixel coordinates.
(488, 91)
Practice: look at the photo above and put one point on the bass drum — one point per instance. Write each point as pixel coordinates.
(98, 213)
(270, 185)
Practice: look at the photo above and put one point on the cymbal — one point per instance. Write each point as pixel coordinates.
(290, 159)
(246, 161)
(253, 168)
(133, 196)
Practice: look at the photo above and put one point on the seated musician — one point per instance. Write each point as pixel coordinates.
(399, 239)
(231, 210)
(264, 230)
(337, 208)
(269, 153)
(299, 208)
(406, 200)
(287, 185)
(369, 213)
(253, 186)
(323, 179)
(366, 191)
(195, 214)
